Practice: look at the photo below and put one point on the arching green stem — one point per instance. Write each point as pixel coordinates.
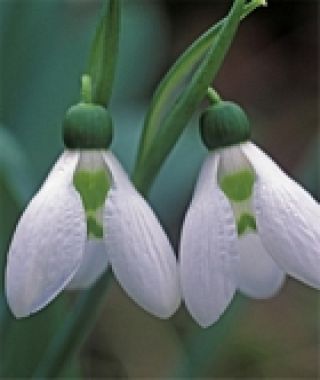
(163, 127)
(86, 89)
(180, 113)
(213, 96)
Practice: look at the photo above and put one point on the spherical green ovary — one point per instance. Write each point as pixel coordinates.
(224, 124)
(87, 126)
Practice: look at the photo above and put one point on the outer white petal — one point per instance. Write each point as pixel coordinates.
(48, 243)
(120, 178)
(288, 219)
(94, 264)
(140, 254)
(258, 275)
(208, 254)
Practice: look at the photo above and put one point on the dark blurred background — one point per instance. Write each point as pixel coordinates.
(272, 70)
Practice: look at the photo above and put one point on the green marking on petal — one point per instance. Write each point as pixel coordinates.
(238, 186)
(94, 228)
(93, 187)
(246, 222)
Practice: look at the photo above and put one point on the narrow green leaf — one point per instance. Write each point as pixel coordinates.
(186, 104)
(168, 92)
(174, 78)
(104, 53)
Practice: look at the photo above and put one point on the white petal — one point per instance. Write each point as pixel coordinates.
(93, 265)
(119, 176)
(140, 254)
(258, 275)
(208, 254)
(48, 244)
(288, 219)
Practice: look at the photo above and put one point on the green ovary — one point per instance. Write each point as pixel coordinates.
(93, 187)
(238, 186)
(246, 222)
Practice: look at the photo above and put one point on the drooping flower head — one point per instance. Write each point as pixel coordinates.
(248, 223)
(87, 216)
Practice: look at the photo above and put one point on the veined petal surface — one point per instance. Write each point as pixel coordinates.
(140, 254)
(48, 243)
(120, 178)
(288, 219)
(208, 254)
(258, 275)
(94, 263)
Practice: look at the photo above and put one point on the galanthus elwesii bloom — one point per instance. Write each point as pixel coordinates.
(248, 223)
(86, 216)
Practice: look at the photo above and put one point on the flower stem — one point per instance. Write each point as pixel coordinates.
(175, 77)
(213, 96)
(86, 89)
(181, 112)
(74, 331)
(252, 5)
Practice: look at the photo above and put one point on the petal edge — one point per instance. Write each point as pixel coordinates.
(287, 219)
(208, 258)
(48, 243)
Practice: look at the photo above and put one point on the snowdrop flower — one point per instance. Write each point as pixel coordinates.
(248, 223)
(87, 216)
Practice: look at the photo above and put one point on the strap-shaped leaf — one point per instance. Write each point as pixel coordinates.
(170, 93)
(175, 77)
(104, 53)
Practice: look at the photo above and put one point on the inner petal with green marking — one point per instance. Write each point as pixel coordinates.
(92, 180)
(238, 186)
(236, 179)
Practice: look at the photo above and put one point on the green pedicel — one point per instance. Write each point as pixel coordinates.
(238, 186)
(93, 187)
